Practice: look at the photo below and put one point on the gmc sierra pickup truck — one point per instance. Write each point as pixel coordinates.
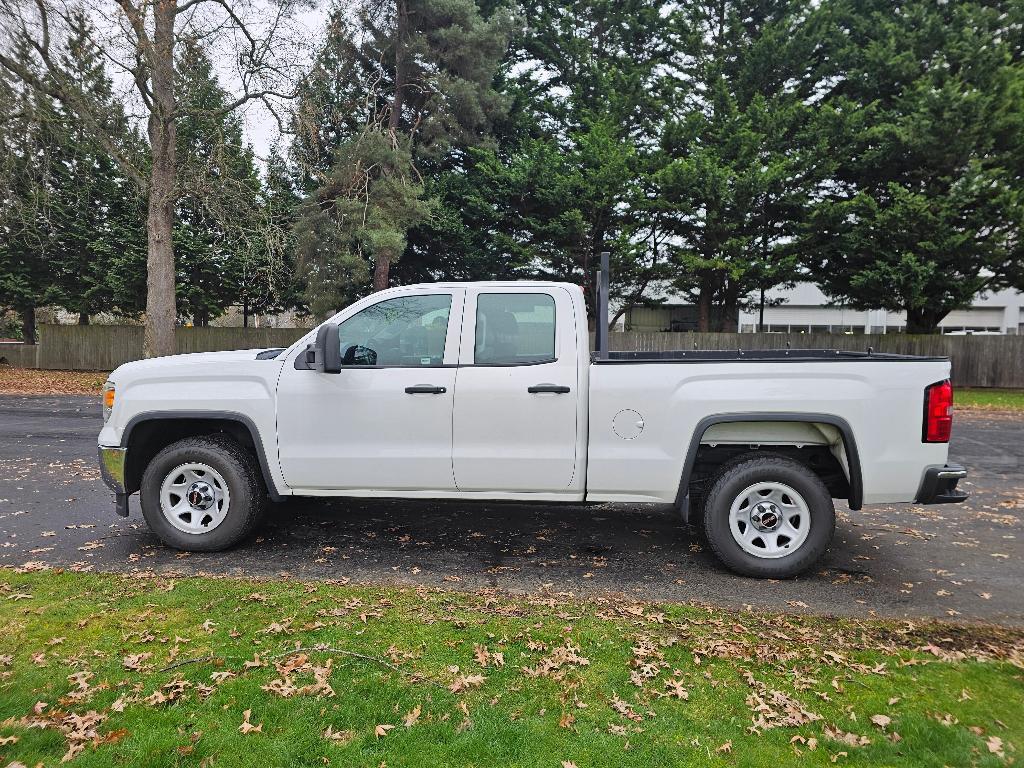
(474, 391)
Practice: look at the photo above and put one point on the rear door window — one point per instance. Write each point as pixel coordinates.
(514, 329)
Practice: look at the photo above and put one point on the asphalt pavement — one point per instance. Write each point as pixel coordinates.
(955, 562)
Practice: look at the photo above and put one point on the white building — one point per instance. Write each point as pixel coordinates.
(805, 309)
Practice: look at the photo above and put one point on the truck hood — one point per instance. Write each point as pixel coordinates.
(194, 363)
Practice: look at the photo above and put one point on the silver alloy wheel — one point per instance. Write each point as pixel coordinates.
(769, 520)
(194, 498)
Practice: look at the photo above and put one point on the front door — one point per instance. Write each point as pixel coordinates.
(385, 422)
(517, 392)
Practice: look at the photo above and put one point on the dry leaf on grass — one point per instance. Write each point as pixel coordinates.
(882, 721)
(382, 730)
(465, 682)
(675, 688)
(412, 716)
(248, 727)
(995, 746)
(134, 661)
(338, 737)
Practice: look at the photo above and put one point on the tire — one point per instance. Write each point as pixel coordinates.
(769, 517)
(221, 476)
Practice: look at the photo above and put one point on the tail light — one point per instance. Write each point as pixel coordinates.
(938, 412)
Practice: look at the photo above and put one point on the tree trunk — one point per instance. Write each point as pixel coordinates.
(382, 261)
(28, 325)
(245, 313)
(704, 299)
(729, 321)
(924, 319)
(83, 318)
(381, 268)
(161, 312)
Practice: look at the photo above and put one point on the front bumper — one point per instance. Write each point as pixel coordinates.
(939, 485)
(112, 462)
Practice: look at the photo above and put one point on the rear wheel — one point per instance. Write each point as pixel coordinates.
(203, 494)
(769, 517)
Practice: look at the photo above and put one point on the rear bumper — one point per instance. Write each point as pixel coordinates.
(112, 470)
(939, 485)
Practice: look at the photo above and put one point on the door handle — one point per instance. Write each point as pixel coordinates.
(425, 389)
(553, 388)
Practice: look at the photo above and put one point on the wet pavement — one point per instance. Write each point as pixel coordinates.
(955, 562)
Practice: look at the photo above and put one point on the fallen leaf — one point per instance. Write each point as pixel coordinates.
(246, 726)
(568, 764)
(675, 688)
(382, 730)
(338, 737)
(995, 745)
(134, 661)
(465, 682)
(412, 716)
(882, 721)
(726, 748)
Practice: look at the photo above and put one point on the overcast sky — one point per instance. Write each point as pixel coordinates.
(305, 34)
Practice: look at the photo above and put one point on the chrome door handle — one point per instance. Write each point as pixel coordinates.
(553, 388)
(425, 389)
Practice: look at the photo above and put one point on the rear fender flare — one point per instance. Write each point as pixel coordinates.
(856, 500)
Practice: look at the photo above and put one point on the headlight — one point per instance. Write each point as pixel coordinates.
(108, 399)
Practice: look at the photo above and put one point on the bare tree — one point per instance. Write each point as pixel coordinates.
(256, 37)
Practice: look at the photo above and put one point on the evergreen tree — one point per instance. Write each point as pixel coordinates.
(590, 84)
(927, 105)
(223, 237)
(398, 85)
(266, 281)
(26, 163)
(99, 249)
(743, 154)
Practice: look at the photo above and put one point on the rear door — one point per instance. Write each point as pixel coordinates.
(515, 423)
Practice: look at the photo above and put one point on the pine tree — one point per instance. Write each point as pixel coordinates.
(589, 83)
(223, 237)
(927, 207)
(26, 233)
(399, 85)
(99, 235)
(742, 153)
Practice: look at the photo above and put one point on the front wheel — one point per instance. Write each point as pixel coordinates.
(202, 494)
(769, 517)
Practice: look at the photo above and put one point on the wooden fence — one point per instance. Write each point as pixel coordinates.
(978, 361)
(104, 347)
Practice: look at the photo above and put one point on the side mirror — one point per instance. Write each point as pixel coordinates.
(327, 349)
(359, 355)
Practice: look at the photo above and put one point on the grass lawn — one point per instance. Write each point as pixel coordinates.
(990, 399)
(137, 671)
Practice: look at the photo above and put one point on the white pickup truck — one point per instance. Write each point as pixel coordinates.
(490, 391)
